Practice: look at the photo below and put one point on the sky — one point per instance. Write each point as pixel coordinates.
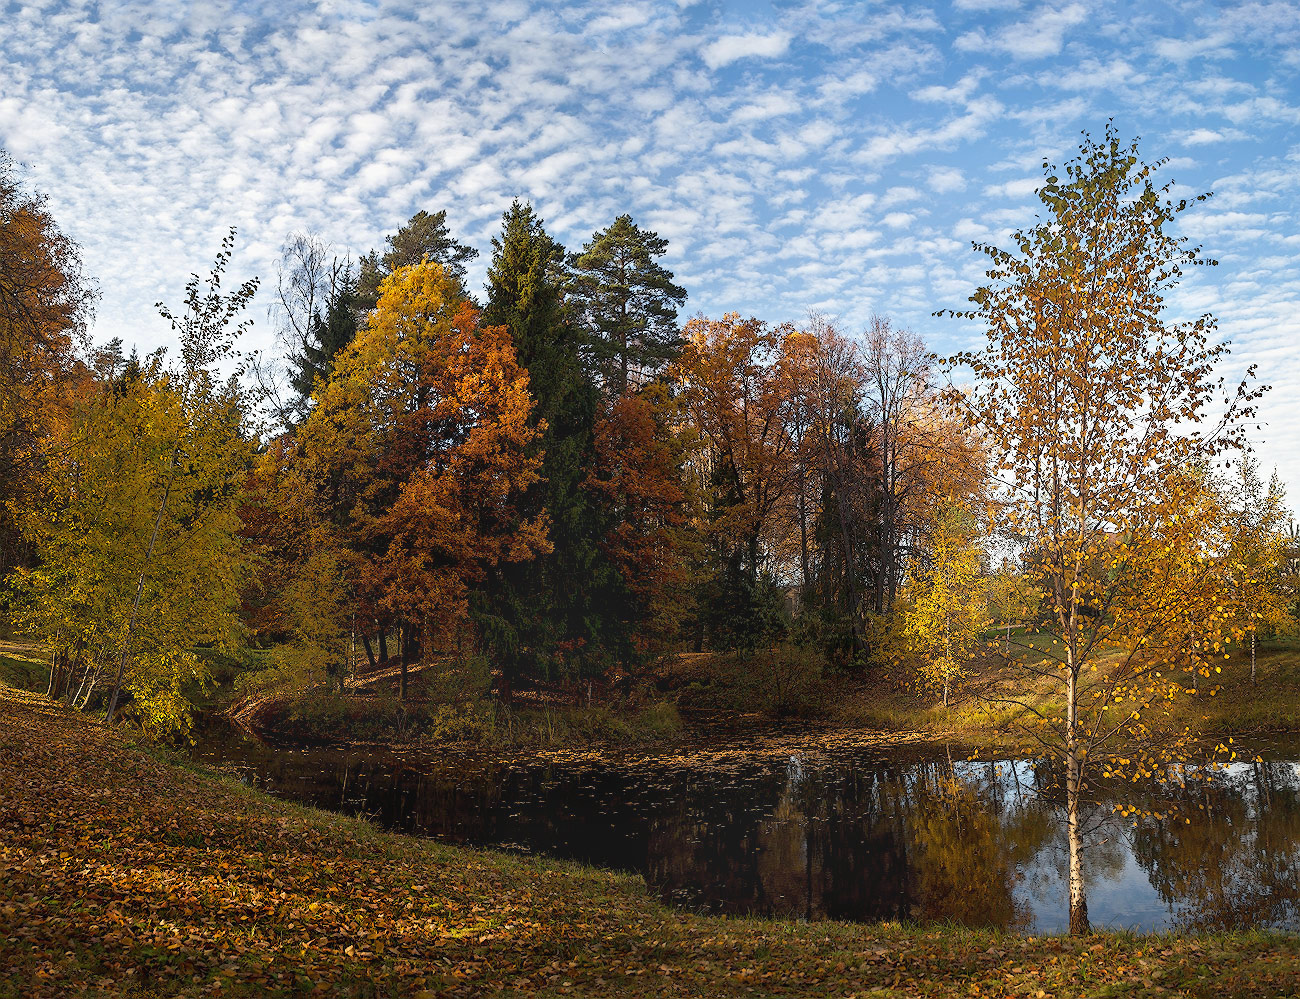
(804, 155)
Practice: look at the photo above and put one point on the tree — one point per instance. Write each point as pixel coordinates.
(1255, 550)
(422, 446)
(139, 558)
(925, 461)
(208, 331)
(424, 237)
(45, 307)
(316, 309)
(628, 302)
(947, 611)
(549, 606)
(1097, 414)
(738, 397)
(637, 477)
(836, 506)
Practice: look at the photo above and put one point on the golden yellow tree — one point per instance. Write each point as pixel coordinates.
(113, 568)
(946, 611)
(421, 445)
(1256, 553)
(207, 329)
(1097, 415)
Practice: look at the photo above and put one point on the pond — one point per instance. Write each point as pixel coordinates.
(859, 835)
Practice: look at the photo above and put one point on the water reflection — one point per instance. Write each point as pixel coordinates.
(863, 837)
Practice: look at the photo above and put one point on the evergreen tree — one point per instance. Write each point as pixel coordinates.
(329, 331)
(530, 614)
(316, 309)
(628, 303)
(424, 237)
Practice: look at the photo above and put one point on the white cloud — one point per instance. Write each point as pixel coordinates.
(811, 152)
(1181, 50)
(732, 48)
(1201, 136)
(958, 93)
(1040, 36)
(1017, 190)
(945, 179)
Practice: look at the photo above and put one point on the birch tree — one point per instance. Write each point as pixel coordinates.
(1101, 418)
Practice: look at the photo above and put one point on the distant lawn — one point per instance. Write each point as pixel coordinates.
(1270, 705)
(22, 665)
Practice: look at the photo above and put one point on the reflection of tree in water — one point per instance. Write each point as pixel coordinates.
(966, 852)
(1237, 863)
(977, 843)
(878, 842)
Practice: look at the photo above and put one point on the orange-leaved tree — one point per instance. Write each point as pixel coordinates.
(45, 305)
(420, 446)
(739, 398)
(636, 475)
(1098, 416)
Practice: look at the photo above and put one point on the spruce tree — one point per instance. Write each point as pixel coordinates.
(329, 330)
(530, 612)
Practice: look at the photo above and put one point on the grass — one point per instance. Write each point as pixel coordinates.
(1270, 705)
(22, 665)
(126, 872)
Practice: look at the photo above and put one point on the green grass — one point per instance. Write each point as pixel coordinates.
(22, 666)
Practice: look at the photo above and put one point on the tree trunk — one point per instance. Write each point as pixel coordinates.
(383, 645)
(72, 696)
(1078, 894)
(404, 650)
(1252, 657)
(1073, 791)
(94, 679)
(370, 651)
(804, 568)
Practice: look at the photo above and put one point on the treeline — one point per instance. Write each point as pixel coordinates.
(557, 474)
(561, 479)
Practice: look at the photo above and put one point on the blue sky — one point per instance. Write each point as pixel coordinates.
(802, 155)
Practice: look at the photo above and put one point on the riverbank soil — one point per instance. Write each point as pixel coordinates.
(126, 873)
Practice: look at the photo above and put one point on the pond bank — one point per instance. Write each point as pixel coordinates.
(124, 872)
(702, 696)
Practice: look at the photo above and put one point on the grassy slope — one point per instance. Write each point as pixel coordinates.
(1272, 704)
(123, 873)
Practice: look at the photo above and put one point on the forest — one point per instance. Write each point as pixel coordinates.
(560, 512)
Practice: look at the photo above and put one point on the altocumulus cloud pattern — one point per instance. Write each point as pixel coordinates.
(837, 156)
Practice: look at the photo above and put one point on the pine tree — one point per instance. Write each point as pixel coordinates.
(628, 303)
(424, 237)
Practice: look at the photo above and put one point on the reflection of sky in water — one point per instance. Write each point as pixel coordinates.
(859, 836)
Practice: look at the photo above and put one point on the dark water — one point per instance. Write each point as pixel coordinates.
(862, 836)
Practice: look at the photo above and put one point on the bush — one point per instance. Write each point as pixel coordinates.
(469, 679)
(460, 723)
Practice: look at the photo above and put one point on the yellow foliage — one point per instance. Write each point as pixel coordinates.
(100, 496)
